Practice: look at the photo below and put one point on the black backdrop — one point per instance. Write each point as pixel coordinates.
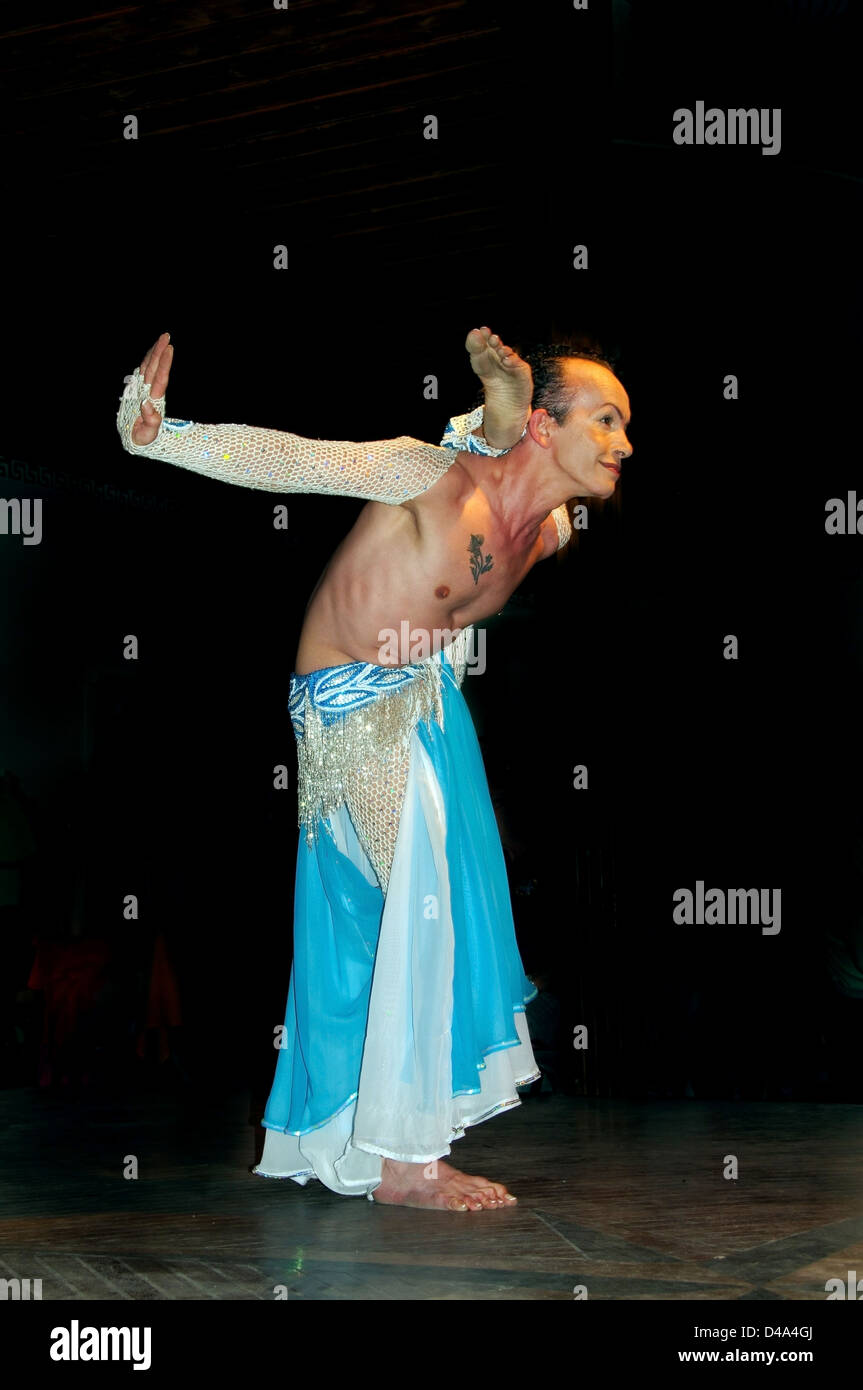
(305, 128)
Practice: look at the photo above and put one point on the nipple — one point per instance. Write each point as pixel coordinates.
(441, 591)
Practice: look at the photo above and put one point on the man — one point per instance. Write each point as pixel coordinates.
(405, 1019)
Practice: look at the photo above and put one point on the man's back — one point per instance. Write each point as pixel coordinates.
(436, 563)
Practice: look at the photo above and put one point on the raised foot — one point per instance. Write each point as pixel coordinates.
(439, 1186)
(508, 384)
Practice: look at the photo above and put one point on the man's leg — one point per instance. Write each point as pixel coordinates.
(375, 799)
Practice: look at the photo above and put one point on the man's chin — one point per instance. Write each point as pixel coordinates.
(608, 488)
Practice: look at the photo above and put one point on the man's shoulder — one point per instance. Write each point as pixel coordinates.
(550, 534)
(448, 489)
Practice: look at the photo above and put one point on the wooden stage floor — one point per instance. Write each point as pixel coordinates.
(626, 1199)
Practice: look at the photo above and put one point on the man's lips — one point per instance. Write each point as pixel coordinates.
(612, 468)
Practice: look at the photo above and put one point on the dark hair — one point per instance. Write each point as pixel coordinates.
(551, 390)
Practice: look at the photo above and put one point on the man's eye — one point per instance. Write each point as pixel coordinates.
(607, 420)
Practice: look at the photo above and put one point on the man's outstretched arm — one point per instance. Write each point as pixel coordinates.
(389, 470)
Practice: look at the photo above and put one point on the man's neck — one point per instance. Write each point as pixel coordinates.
(522, 488)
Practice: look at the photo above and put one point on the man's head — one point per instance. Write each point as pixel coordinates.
(580, 414)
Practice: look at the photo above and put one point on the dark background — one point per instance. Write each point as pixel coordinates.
(304, 127)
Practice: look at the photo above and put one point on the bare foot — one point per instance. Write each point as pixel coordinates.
(438, 1185)
(508, 384)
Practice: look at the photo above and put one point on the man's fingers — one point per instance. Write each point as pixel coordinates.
(150, 361)
(146, 427)
(163, 370)
(155, 370)
(155, 357)
(148, 355)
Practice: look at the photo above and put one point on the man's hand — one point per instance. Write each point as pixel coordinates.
(508, 384)
(155, 369)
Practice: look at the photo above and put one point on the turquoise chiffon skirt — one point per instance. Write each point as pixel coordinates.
(405, 1016)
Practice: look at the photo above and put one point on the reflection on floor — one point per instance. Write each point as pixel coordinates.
(621, 1200)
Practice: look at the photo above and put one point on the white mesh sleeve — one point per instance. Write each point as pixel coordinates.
(389, 470)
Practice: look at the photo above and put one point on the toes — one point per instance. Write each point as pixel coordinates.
(471, 1197)
(466, 1202)
(483, 1193)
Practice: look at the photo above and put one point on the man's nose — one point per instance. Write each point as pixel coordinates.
(624, 449)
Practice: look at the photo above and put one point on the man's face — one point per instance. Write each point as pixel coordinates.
(592, 444)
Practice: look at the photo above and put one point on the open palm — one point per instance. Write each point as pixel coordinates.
(155, 369)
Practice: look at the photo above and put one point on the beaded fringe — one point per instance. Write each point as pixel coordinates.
(328, 754)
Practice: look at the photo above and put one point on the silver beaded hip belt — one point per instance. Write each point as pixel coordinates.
(346, 716)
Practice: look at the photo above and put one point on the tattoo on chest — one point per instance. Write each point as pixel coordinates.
(478, 563)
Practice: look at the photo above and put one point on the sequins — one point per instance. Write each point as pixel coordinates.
(341, 757)
(278, 461)
(354, 725)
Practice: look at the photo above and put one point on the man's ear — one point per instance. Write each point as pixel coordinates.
(540, 427)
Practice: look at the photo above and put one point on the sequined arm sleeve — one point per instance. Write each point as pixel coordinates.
(459, 434)
(388, 470)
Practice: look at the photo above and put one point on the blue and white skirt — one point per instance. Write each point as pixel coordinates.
(405, 1020)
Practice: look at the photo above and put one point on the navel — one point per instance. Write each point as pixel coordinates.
(441, 591)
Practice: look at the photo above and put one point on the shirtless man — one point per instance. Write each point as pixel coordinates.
(414, 561)
(418, 561)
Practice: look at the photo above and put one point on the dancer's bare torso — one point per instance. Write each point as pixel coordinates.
(417, 563)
